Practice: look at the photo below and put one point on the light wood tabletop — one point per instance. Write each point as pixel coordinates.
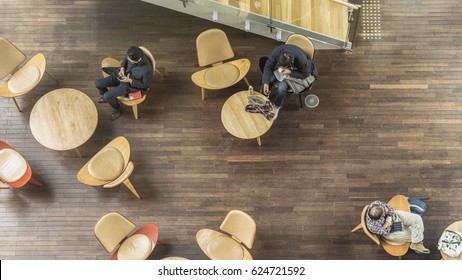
(243, 124)
(63, 119)
(457, 226)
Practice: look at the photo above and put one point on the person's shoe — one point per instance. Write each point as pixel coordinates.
(276, 111)
(116, 113)
(419, 248)
(101, 100)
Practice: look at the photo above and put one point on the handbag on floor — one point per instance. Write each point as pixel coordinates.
(417, 206)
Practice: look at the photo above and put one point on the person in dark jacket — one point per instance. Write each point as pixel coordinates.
(284, 61)
(134, 74)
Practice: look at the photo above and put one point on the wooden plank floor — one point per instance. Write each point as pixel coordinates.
(389, 122)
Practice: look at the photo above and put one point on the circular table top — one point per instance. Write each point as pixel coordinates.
(63, 119)
(457, 226)
(240, 123)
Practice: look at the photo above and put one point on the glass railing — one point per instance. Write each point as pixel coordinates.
(326, 22)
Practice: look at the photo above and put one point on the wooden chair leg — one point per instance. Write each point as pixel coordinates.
(4, 185)
(36, 182)
(51, 76)
(203, 93)
(135, 111)
(16, 103)
(158, 72)
(129, 185)
(357, 228)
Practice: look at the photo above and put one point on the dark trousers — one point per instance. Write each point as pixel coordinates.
(282, 87)
(118, 89)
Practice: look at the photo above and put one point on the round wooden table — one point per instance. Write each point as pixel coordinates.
(243, 124)
(63, 119)
(457, 226)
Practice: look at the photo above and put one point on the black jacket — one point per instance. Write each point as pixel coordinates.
(141, 73)
(302, 66)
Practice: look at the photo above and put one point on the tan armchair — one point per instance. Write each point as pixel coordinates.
(239, 235)
(307, 46)
(23, 80)
(396, 249)
(213, 48)
(113, 230)
(110, 167)
(112, 62)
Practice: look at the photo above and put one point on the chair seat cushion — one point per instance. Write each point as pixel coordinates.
(24, 79)
(107, 165)
(12, 165)
(222, 76)
(224, 248)
(136, 247)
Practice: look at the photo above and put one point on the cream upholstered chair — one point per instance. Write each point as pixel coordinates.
(15, 171)
(302, 42)
(113, 230)
(112, 62)
(110, 167)
(396, 249)
(307, 46)
(23, 80)
(213, 48)
(240, 231)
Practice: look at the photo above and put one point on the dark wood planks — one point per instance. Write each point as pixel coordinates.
(389, 122)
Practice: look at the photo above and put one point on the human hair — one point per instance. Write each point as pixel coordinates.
(375, 212)
(286, 58)
(134, 53)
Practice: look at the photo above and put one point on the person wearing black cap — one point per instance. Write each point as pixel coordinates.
(134, 74)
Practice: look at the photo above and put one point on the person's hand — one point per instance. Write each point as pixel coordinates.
(265, 88)
(121, 72)
(125, 79)
(386, 225)
(286, 71)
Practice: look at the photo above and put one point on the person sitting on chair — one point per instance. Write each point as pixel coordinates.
(134, 74)
(397, 225)
(284, 61)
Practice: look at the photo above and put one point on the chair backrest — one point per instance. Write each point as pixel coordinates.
(302, 42)
(111, 229)
(212, 47)
(399, 202)
(150, 57)
(241, 226)
(10, 57)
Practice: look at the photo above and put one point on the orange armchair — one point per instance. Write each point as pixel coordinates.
(113, 231)
(15, 171)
